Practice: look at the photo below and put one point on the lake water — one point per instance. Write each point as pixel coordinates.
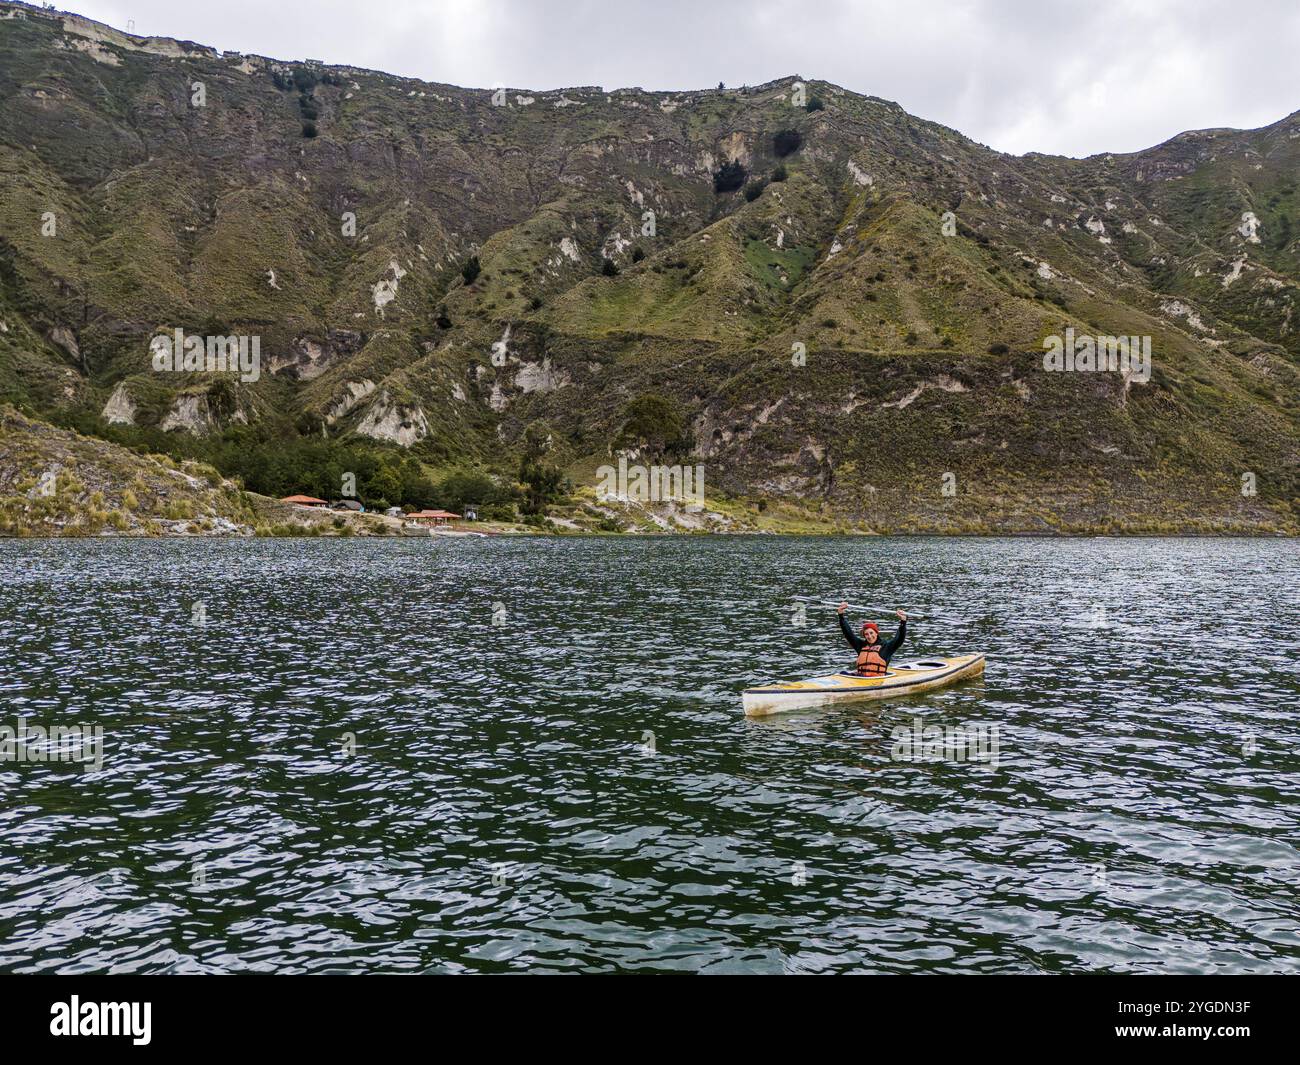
(529, 754)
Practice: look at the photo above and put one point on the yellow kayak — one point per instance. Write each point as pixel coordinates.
(906, 678)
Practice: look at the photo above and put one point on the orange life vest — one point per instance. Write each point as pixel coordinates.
(870, 664)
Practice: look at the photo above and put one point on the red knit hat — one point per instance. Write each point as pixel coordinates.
(870, 625)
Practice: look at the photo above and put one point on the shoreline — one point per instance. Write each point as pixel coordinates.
(695, 534)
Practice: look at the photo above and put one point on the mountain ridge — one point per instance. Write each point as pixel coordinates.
(920, 272)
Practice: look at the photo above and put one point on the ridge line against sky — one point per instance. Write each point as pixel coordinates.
(1062, 77)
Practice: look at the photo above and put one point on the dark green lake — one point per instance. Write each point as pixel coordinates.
(502, 809)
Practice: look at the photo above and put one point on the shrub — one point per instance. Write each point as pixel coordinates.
(779, 173)
(814, 104)
(223, 401)
(608, 268)
(538, 439)
(754, 190)
(309, 129)
(729, 177)
(653, 422)
(786, 142)
(543, 482)
(998, 349)
(637, 254)
(462, 488)
(471, 269)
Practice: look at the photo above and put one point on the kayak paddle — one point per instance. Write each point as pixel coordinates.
(858, 607)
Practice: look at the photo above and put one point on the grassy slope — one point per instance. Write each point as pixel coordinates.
(924, 350)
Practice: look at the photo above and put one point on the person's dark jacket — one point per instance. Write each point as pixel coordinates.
(886, 650)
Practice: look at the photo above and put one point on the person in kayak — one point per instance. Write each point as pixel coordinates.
(873, 657)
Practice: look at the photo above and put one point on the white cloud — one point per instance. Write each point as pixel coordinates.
(1023, 75)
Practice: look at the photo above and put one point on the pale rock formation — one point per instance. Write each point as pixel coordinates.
(119, 410)
(397, 423)
(190, 413)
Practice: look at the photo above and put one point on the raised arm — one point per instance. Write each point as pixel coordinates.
(854, 641)
(897, 641)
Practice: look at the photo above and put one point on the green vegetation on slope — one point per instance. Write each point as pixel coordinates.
(430, 275)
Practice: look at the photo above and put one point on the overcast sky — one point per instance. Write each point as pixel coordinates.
(1062, 76)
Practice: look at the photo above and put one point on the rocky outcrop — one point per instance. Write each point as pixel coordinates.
(308, 358)
(540, 377)
(354, 393)
(385, 289)
(190, 413)
(396, 423)
(67, 340)
(119, 410)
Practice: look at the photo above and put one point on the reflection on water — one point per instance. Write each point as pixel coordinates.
(351, 767)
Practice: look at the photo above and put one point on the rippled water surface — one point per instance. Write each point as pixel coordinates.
(508, 754)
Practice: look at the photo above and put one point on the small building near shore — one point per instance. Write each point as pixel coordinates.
(432, 517)
(304, 501)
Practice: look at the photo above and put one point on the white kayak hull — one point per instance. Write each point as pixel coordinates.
(836, 689)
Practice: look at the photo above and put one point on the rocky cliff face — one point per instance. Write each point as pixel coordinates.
(847, 304)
